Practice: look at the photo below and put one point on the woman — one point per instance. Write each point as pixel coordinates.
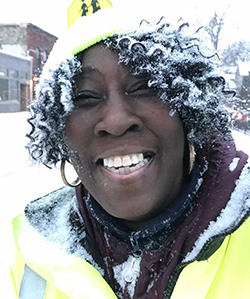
(162, 199)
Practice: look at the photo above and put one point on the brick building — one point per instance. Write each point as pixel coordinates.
(28, 40)
(20, 40)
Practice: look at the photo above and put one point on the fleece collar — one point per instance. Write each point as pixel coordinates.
(162, 224)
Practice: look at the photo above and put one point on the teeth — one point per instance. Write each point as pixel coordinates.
(125, 164)
(110, 162)
(134, 159)
(121, 170)
(137, 167)
(126, 170)
(114, 170)
(140, 157)
(105, 162)
(117, 162)
(141, 163)
(126, 161)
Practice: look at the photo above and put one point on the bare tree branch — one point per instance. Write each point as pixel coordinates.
(214, 28)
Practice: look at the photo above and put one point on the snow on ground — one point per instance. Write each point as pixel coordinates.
(242, 141)
(21, 181)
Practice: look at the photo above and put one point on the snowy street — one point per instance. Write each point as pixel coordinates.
(22, 182)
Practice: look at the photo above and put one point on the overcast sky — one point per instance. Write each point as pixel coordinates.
(51, 15)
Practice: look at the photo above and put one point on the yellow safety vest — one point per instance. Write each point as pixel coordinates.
(225, 275)
(66, 276)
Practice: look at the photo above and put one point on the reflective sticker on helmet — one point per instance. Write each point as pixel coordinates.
(80, 8)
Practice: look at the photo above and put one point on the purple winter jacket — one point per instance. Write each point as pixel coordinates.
(158, 269)
(151, 272)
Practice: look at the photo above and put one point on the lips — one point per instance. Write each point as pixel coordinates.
(126, 164)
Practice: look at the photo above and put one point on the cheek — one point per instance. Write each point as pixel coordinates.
(177, 136)
(169, 128)
(172, 136)
(76, 131)
(78, 139)
(81, 166)
(177, 132)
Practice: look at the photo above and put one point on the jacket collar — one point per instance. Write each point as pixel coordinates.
(164, 223)
(216, 192)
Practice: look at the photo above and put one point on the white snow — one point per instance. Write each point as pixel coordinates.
(232, 214)
(234, 164)
(22, 182)
(42, 251)
(128, 272)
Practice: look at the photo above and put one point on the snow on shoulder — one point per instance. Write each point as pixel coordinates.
(230, 217)
(57, 228)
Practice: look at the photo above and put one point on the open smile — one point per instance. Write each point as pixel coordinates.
(125, 164)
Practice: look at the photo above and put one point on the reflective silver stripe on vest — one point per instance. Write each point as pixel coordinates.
(33, 286)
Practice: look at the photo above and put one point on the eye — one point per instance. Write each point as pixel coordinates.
(141, 89)
(86, 99)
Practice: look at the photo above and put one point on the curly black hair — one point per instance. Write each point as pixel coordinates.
(182, 75)
(53, 103)
(175, 67)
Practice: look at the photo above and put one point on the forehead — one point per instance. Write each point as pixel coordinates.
(99, 56)
(97, 50)
(100, 62)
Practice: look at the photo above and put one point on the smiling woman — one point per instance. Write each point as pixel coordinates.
(158, 212)
(113, 114)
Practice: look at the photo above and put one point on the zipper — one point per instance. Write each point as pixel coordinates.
(132, 271)
(177, 270)
(172, 281)
(137, 252)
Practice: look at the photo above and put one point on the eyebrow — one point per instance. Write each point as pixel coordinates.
(89, 70)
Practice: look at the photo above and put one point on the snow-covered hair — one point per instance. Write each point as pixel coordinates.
(175, 67)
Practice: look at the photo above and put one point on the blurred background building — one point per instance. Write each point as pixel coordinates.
(24, 48)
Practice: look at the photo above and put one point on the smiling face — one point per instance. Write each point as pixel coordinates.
(126, 148)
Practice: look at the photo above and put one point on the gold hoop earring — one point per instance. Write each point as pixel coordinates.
(62, 169)
(191, 157)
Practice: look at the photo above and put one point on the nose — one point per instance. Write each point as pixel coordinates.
(119, 117)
